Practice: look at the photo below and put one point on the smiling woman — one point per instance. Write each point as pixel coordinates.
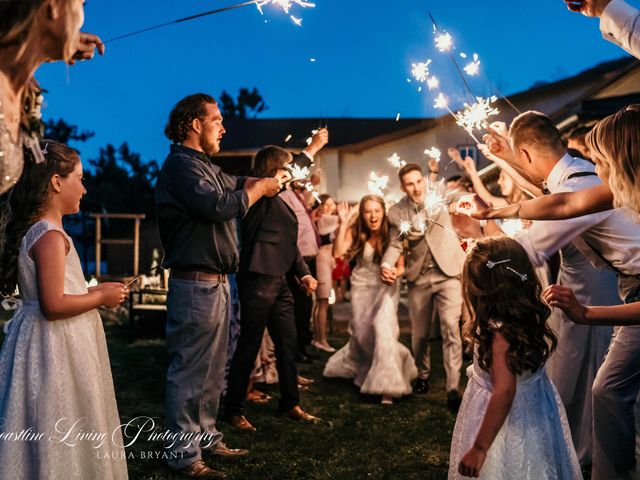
(33, 32)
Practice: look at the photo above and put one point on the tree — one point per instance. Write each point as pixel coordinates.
(249, 104)
(63, 132)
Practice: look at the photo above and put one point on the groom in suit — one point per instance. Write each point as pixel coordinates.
(433, 267)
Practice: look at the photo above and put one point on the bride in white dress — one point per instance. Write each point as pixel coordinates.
(58, 413)
(374, 358)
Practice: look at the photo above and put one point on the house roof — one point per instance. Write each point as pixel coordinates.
(356, 134)
(251, 134)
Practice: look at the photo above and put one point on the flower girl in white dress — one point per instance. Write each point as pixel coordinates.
(511, 423)
(58, 413)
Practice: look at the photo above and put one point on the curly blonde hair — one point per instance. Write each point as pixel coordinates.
(615, 147)
(501, 299)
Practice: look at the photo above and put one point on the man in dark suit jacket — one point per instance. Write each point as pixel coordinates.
(268, 252)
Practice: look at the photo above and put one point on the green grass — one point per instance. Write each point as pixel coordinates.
(358, 438)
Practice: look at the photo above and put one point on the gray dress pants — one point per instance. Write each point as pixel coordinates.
(197, 337)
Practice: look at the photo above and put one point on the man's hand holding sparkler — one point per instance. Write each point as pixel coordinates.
(590, 8)
(318, 140)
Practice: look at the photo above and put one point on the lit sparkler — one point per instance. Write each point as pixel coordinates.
(435, 197)
(434, 153)
(475, 116)
(284, 4)
(444, 41)
(433, 82)
(441, 102)
(472, 68)
(511, 227)
(377, 185)
(298, 172)
(396, 161)
(404, 227)
(420, 71)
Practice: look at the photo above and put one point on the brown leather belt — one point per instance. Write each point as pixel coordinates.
(199, 276)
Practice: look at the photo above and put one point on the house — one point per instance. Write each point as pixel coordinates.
(359, 146)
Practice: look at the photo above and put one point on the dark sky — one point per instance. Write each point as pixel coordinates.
(363, 52)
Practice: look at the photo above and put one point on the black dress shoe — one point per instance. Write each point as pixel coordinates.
(302, 358)
(421, 386)
(453, 400)
(308, 353)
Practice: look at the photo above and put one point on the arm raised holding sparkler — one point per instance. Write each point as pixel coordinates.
(344, 235)
(619, 21)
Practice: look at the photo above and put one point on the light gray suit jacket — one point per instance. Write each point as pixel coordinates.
(444, 245)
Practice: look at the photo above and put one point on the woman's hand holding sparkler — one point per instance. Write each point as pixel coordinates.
(318, 140)
(87, 45)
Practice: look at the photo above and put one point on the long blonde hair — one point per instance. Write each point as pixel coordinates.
(615, 147)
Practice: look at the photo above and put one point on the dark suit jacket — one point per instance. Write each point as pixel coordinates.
(269, 240)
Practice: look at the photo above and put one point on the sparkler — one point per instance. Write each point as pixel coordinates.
(313, 132)
(298, 172)
(404, 227)
(444, 41)
(420, 71)
(511, 227)
(435, 197)
(377, 184)
(475, 115)
(396, 161)
(433, 82)
(472, 68)
(285, 5)
(434, 153)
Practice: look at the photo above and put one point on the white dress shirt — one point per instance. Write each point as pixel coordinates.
(620, 24)
(608, 239)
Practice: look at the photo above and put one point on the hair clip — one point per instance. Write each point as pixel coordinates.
(44, 150)
(491, 264)
(523, 276)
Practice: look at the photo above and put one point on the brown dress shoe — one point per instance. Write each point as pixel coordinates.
(224, 451)
(305, 382)
(241, 422)
(296, 413)
(199, 469)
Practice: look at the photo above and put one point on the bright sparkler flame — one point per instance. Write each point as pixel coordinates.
(309, 140)
(475, 116)
(396, 161)
(511, 227)
(435, 197)
(433, 82)
(298, 172)
(441, 101)
(420, 71)
(434, 153)
(404, 227)
(377, 184)
(472, 68)
(285, 5)
(444, 42)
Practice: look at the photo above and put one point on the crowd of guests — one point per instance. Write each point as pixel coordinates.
(548, 309)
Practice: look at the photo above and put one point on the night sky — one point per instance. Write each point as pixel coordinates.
(363, 52)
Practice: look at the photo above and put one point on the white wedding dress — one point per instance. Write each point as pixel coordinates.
(374, 358)
(52, 375)
(534, 442)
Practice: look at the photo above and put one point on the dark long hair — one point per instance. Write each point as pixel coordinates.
(184, 113)
(25, 204)
(501, 301)
(362, 234)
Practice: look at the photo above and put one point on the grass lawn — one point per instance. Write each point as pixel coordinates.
(358, 438)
